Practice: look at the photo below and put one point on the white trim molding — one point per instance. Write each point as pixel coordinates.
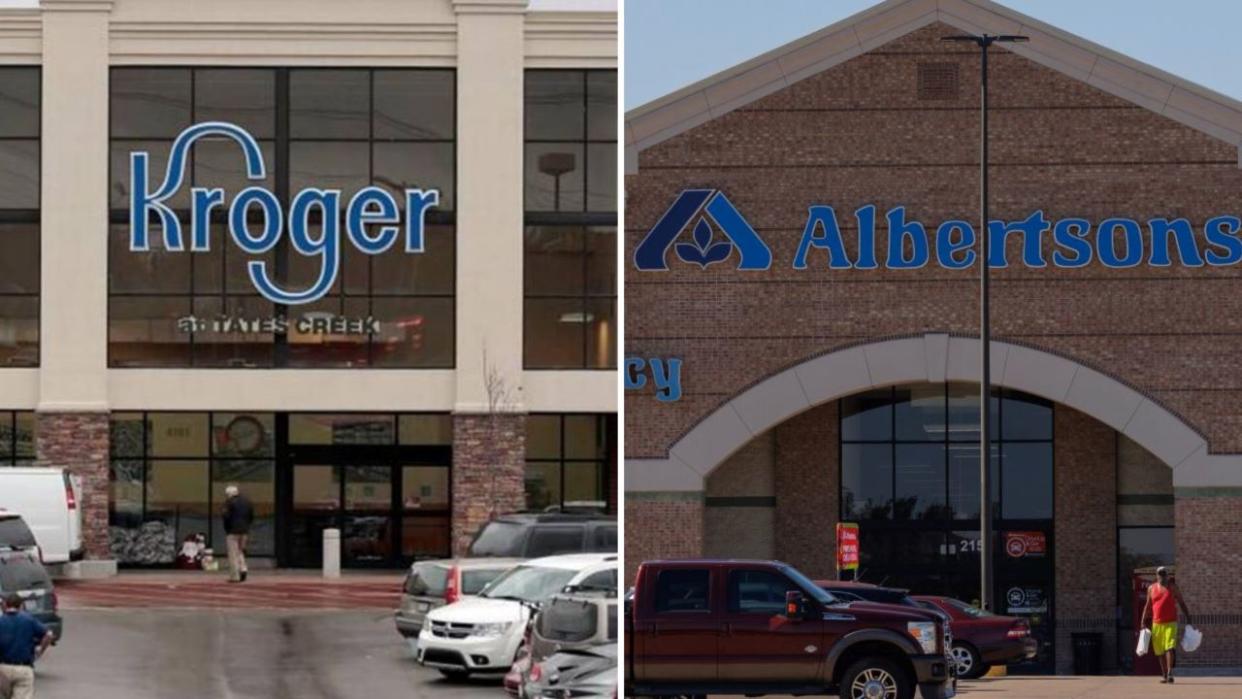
(933, 358)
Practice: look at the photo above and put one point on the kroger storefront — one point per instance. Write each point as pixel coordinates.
(802, 321)
(356, 258)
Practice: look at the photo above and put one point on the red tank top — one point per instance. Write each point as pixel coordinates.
(1163, 604)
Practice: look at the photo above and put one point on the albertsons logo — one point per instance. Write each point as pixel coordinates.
(704, 207)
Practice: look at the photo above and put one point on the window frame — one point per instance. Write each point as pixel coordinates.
(278, 349)
(585, 219)
(10, 457)
(606, 428)
(31, 216)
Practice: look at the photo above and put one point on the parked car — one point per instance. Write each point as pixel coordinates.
(577, 673)
(482, 635)
(15, 535)
(433, 584)
(982, 639)
(21, 572)
(47, 498)
(577, 618)
(763, 627)
(535, 535)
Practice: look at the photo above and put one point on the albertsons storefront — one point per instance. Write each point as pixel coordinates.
(802, 309)
(355, 257)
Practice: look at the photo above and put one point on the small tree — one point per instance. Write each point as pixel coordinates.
(500, 404)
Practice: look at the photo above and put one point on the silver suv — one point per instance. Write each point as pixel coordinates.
(433, 584)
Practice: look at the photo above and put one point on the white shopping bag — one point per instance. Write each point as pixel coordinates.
(1191, 639)
(1144, 643)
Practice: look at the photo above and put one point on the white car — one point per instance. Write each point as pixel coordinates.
(47, 498)
(483, 634)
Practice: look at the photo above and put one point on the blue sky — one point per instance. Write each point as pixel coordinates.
(672, 43)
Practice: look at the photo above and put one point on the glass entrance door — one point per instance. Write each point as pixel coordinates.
(355, 498)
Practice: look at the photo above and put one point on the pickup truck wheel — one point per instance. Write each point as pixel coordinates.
(966, 662)
(876, 678)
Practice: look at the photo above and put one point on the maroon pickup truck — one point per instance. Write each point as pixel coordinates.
(698, 627)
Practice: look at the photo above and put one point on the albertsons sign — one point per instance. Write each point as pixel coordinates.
(373, 219)
(1116, 242)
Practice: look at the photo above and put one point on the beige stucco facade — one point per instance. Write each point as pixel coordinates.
(488, 42)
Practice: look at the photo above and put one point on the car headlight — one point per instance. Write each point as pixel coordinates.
(491, 629)
(925, 633)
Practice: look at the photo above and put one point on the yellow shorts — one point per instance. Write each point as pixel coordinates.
(1163, 638)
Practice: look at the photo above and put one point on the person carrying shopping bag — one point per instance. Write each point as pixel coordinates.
(1163, 599)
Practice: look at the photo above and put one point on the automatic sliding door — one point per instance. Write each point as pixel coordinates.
(426, 512)
(367, 529)
(316, 506)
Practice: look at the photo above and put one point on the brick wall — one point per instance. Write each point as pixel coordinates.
(739, 515)
(489, 469)
(79, 442)
(1085, 533)
(1209, 566)
(808, 475)
(661, 525)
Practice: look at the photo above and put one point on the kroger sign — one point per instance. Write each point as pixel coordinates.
(1116, 242)
(372, 216)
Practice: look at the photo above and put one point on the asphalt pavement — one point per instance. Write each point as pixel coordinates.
(239, 654)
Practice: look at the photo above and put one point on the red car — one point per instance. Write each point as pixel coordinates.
(982, 639)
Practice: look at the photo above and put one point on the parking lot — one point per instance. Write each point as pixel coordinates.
(128, 653)
(1064, 687)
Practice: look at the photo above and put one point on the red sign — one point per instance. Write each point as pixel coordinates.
(847, 546)
(1026, 544)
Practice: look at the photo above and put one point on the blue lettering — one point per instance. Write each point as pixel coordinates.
(1222, 231)
(898, 232)
(360, 213)
(822, 217)
(1071, 234)
(203, 201)
(273, 220)
(1032, 229)
(1184, 237)
(947, 248)
(866, 237)
(141, 202)
(1106, 241)
(634, 378)
(416, 204)
(666, 375)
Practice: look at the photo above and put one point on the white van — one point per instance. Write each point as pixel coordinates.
(47, 498)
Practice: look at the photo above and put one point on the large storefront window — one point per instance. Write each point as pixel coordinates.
(168, 474)
(342, 129)
(19, 216)
(569, 460)
(571, 219)
(910, 478)
(17, 438)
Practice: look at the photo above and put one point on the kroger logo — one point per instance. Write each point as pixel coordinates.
(372, 216)
(704, 205)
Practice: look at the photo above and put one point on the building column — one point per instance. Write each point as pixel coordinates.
(661, 525)
(1085, 534)
(807, 475)
(78, 442)
(72, 425)
(1208, 529)
(489, 471)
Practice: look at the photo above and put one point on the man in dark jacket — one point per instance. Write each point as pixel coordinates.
(22, 640)
(238, 515)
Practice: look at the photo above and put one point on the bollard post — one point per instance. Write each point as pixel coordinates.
(332, 553)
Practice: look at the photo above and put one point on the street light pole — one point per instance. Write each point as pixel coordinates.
(986, 572)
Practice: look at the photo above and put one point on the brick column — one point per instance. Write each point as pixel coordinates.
(1209, 566)
(1085, 534)
(661, 525)
(79, 442)
(807, 474)
(489, 471)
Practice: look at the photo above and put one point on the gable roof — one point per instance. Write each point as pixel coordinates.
(1163, 93)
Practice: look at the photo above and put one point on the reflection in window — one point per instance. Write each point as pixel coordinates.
(912, 453)
(570, 460)
(19, 208)
(570, 193)
(17, 438)
(346, 129)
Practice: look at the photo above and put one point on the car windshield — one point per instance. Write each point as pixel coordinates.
(15, 534)
(528, 583)
(568, 620)
(969, 610)
(474, 580)
(498, 539)
(809, 587)
(22, 572)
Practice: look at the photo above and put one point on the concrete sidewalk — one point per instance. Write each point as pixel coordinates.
(1066, 687)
